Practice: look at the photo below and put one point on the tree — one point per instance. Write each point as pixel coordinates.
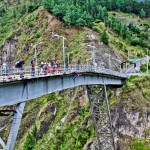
(124, 31)
(135, 41)
(2, 11)
(105, 13)
(122, 4)
(104, 37)
(72, 15)
(14, 13)
(80, 22)
(88, 19)
(48, 4)
(23, 9)
(29, 143)
(142, 13)
(115, 4)
(59, 10)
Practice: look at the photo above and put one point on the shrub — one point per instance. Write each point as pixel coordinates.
(104, 38)
(29, 143)
(138, 145)
(37, 34)
(30, 24)
(135, 41)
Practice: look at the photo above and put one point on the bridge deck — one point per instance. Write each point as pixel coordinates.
(17, 91)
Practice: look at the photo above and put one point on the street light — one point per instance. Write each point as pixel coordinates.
(63, 47)
(93, 53)
(35, 53)
(120, 62)
(109, 62)
(68, 56)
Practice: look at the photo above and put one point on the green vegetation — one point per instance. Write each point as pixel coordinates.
(30, 142)
(84, 13)
(32, 30)
(61, 121)
(144, 68)
(139, 145)
(137, 88)
(11, 15)
(104, 37)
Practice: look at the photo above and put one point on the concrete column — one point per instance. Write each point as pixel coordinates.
(15, 126)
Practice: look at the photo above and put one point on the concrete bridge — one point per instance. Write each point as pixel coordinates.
(16, 90)
(24, 89)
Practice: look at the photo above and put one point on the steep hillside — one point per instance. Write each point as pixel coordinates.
(131, 119)
(40, 26)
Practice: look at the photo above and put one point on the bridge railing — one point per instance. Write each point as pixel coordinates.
(12, 73)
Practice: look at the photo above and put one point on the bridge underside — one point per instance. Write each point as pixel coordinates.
(18, 92)
(23, 90)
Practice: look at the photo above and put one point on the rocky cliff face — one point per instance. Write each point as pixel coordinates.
(8, 51)
(131, 124)
(131, 116)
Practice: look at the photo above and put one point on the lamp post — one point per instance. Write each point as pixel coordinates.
(35, 53)
(118, 62)
(63, 48)
(68, 56)
(93, 53)
(147, 61)
(119, 65)
(109, 61)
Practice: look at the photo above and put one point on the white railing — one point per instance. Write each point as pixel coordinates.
(10, 74)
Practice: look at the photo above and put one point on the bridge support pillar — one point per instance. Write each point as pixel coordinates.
(17, 116)
(99, 108)
(15, 126)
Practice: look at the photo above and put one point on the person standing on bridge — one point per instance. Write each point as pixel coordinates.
(41, 68)
(32, 68)
(4, 70)
(4, 67)
(78, 64)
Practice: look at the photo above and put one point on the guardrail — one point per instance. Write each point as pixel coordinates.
(27, 72)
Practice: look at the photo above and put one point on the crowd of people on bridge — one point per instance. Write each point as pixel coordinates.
(45, 67)
(40, 69)
(34, 69)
